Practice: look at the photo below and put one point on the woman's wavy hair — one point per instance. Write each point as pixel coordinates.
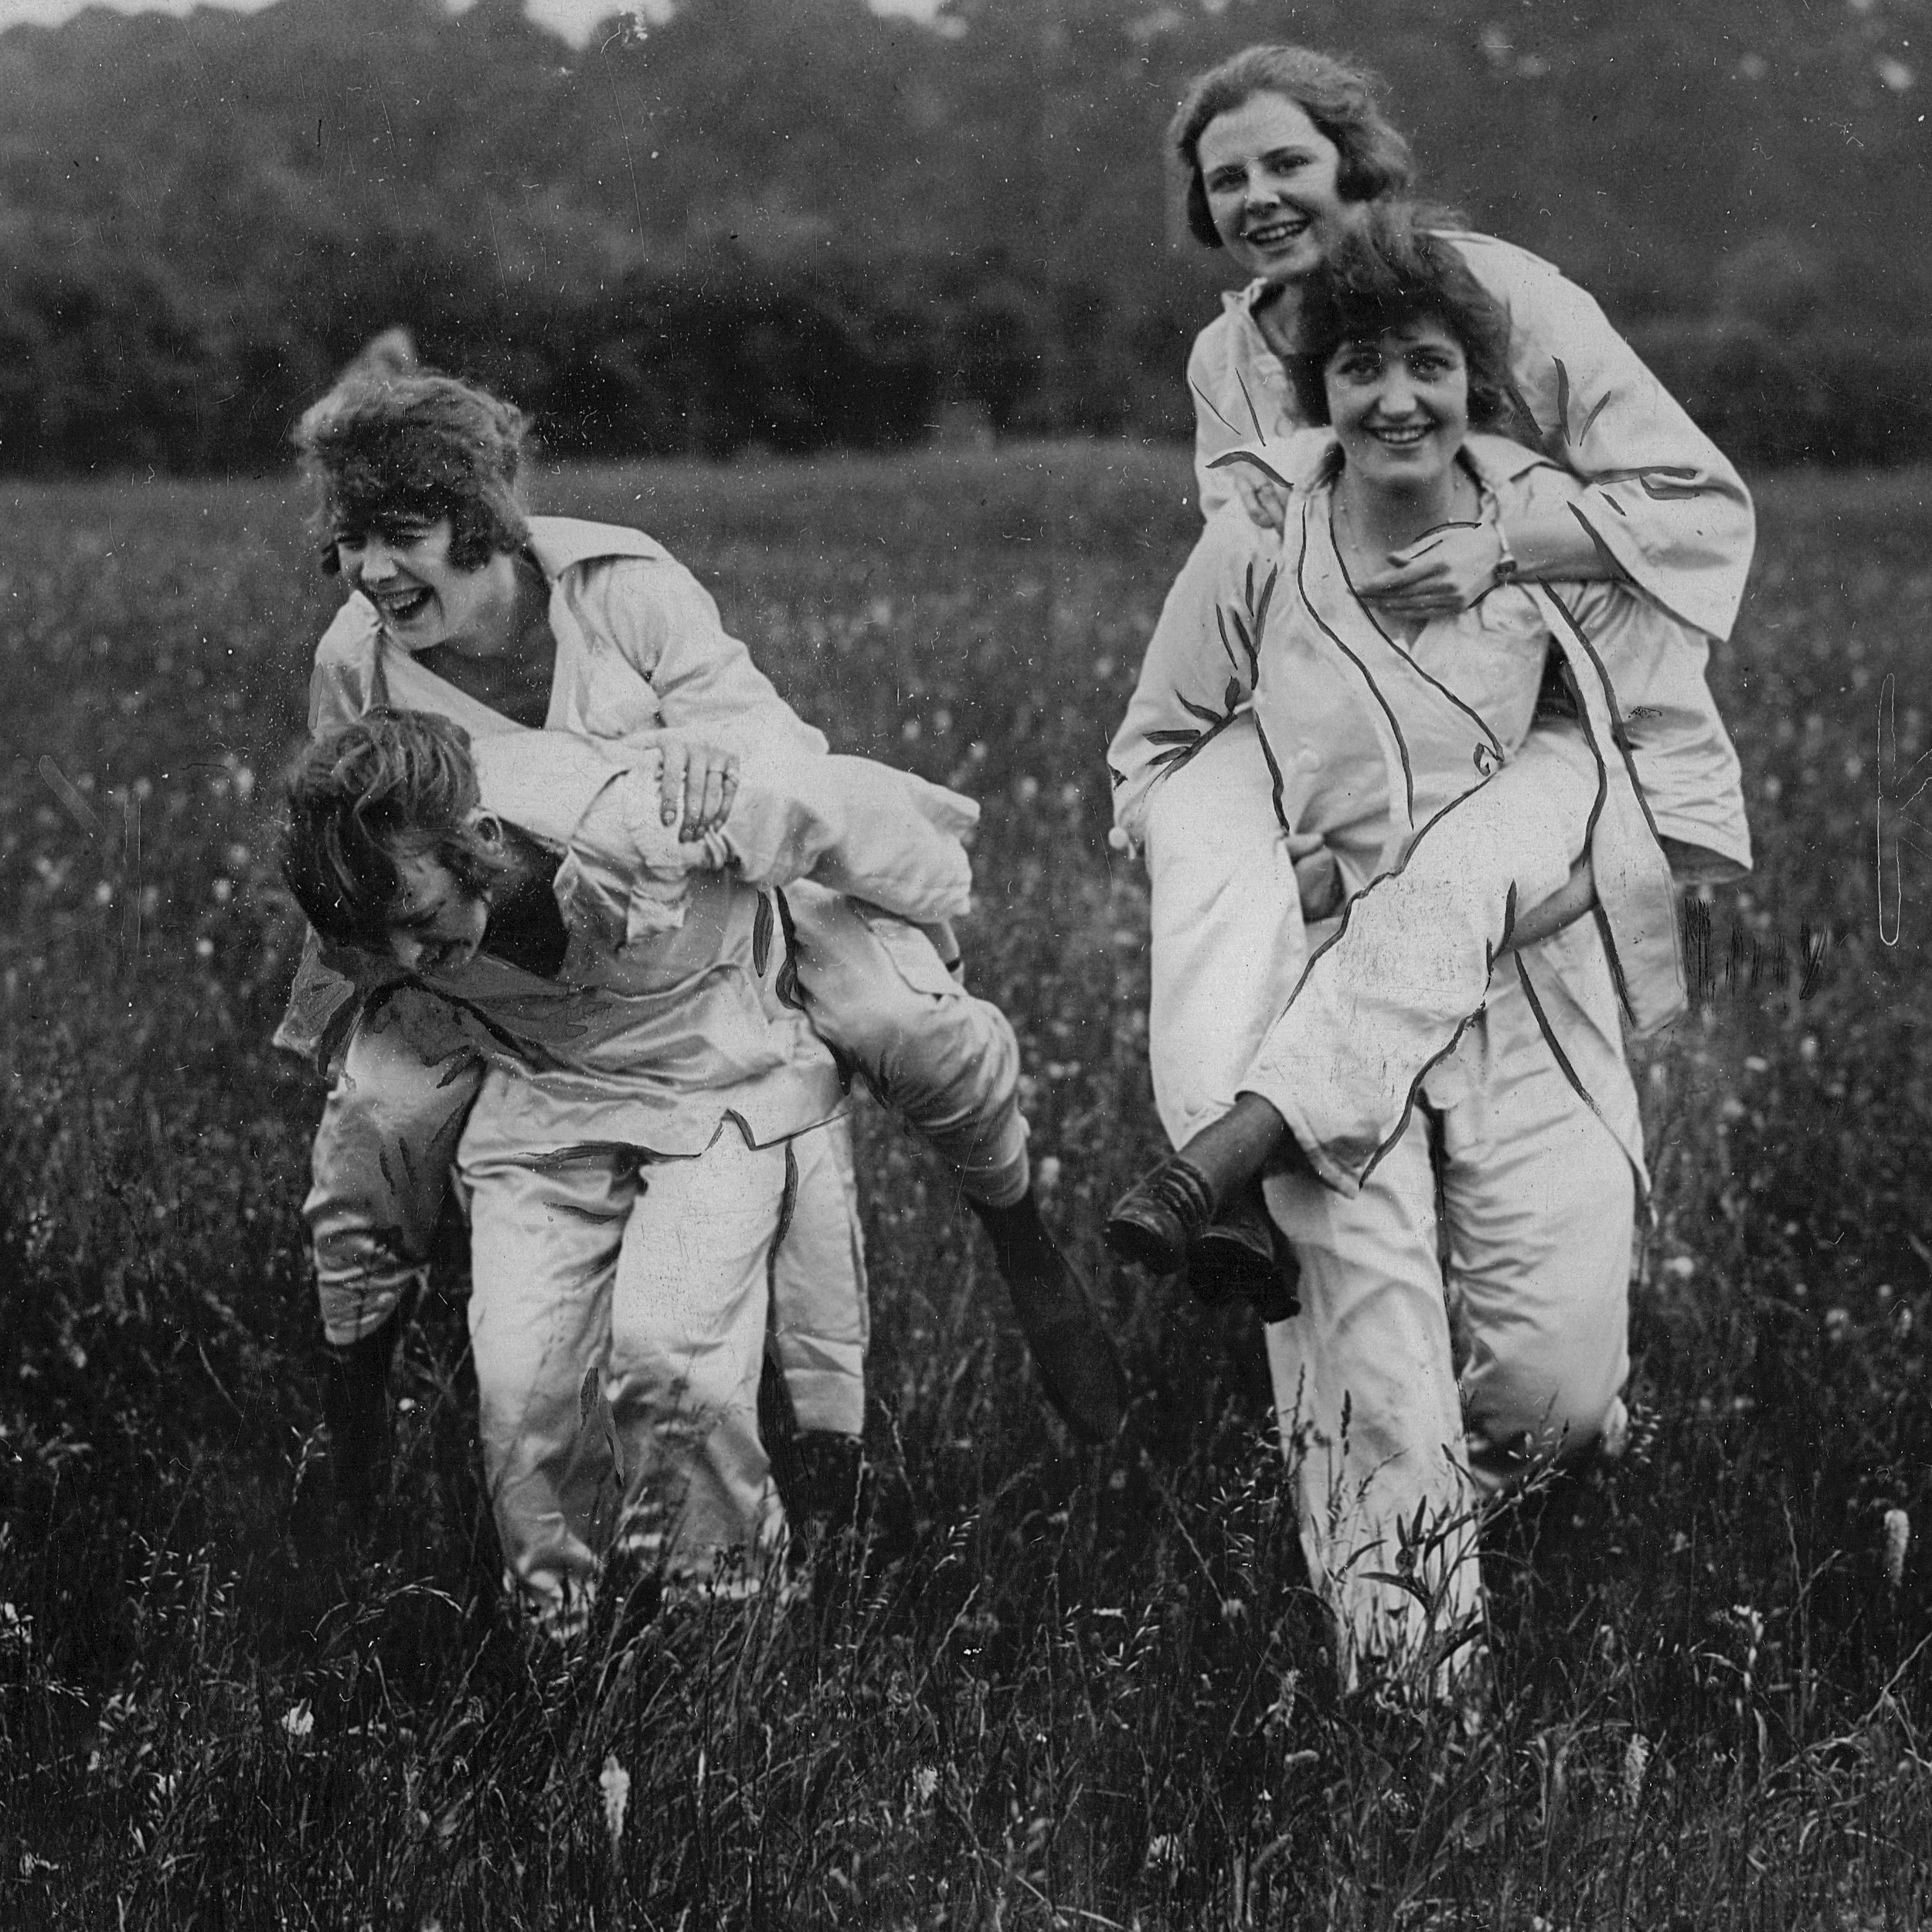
(392, 784)
(1389, 271)
(390, 449)
(1341, 99)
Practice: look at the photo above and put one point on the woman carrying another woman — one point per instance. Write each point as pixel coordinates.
(1393, 698)
(1284, 150)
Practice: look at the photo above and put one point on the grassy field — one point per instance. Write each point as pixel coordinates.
(1053, 1689)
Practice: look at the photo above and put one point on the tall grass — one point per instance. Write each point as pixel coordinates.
(1034, 1687)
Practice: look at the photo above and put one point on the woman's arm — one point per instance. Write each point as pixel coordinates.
(1665, 506)
(667, 626)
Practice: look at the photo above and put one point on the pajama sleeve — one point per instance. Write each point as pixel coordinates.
(1225, 410)
(1682, 755)
(861, 828)
(1664, 501)
(1202, 662)
(667, 625)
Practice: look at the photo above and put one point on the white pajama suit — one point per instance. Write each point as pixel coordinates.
(658, 1127)
(639, 648)
(1270, 700)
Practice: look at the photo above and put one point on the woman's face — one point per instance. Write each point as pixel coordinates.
(1400, 405)
(1269, 174)
(423, 598)
(436, 923)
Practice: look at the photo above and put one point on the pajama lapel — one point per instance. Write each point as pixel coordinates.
(1437, 748)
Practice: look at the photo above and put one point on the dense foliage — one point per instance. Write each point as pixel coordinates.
(794, 222)
(1048, 1690)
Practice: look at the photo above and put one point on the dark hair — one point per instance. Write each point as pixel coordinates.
(388, 450)
(394, 784)
(1341, 99)
(1389, 272)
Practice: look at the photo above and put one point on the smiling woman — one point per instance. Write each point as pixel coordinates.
(1455, 786)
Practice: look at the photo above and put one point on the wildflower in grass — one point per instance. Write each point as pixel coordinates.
(298, 1721)
(614, 1781)
(1636, 1763)
(925, 1783)
(1898, 1542)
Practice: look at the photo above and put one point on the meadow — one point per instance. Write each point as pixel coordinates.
(1039, 1687)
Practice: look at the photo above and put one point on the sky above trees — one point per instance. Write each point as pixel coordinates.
(572, 18)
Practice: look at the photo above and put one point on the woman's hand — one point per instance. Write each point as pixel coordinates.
(1439, 574)
(697, 784)
(1265, 500)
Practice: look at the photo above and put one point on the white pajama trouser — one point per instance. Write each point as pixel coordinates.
(382, 1163)
(617, 1320)
(877, 993)
(1539, 1200)
(1538, 1193)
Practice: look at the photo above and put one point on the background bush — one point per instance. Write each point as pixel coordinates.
(796, 224)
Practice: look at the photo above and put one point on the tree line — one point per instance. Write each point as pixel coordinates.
(797, 224)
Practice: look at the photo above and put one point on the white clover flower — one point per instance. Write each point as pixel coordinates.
(614, 1782)
(298, 1721)
(1898, 1541)
(925, 1783)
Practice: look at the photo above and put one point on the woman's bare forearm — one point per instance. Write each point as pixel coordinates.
(1568, 903)
(1553, 544)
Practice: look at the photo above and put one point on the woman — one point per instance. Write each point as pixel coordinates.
(1402, 747)
(654, 1104)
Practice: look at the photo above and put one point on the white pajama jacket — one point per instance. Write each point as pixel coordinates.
(635, 1157)
(1272, 702)
(639, 648)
